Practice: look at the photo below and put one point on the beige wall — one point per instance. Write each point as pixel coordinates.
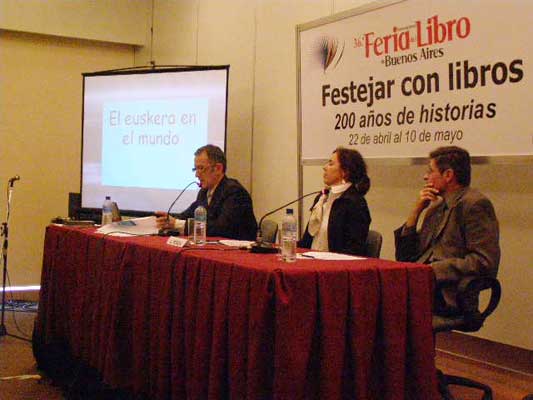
(118, 21)
(40, 133)
(192, 32)
(258, 39)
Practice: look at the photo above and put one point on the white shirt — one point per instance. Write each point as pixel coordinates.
(320, 241)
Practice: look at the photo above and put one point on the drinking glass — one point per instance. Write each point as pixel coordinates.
(190, 230)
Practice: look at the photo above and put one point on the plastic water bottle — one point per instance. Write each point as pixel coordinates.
(200, 225)
(288, 237)
(107, 211)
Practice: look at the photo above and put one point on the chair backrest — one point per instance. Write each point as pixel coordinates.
(269, 230)
(373, 244)
(469, 318)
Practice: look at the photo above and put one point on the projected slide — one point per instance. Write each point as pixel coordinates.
(140, 132)
(154, 139)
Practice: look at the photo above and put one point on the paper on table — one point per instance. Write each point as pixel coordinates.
(236, 243)
(135, 226)
(177, 241)
(324, 255)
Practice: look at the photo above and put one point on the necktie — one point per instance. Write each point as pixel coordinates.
(436, 220)
(430, 229)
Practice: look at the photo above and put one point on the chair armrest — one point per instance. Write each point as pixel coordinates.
(468, 292)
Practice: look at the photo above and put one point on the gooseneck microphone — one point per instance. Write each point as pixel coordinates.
(169, 232)
(264, 247)
(180, 194)
(13, 179)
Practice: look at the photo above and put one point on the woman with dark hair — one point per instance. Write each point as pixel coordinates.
(340, 217)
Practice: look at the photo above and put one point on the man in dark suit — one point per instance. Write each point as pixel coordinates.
(229, 206)
(459, 234)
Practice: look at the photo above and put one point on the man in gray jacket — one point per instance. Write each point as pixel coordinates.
(459, 235)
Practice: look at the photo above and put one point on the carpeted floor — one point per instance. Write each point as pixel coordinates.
(19, 377)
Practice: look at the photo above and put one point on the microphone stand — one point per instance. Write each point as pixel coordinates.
(5, 235)
(264, 247)
(171, 232)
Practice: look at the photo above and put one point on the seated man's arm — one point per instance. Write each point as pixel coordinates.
(189, 212)
(406, 244)
(166, 221)
(406, 239)
(481, 240)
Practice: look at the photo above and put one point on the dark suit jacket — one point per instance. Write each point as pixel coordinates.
(230, 213)
(348, 224)
(466, 242)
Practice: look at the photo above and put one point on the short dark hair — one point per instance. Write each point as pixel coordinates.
(354, 167)
(214, 154)
(454, 158)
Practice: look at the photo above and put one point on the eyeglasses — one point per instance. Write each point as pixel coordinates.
(202, 168)
(430, 171)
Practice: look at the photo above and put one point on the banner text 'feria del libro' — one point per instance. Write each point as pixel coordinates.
(400, 80)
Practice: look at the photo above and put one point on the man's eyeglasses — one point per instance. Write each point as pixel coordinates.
(202, 168)
(430, 171)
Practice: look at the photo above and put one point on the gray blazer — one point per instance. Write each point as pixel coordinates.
(466, 242)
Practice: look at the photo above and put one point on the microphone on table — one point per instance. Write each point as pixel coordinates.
(174, 232)
(13, 179)
(264, 247)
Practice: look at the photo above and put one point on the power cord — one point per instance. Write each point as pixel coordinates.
(24, 336)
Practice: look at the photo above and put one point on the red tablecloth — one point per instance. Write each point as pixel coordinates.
(211, 323)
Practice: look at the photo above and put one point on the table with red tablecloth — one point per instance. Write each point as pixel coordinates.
(217, 322)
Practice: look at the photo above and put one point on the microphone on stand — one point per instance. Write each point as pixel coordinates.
(172, 232)
(13, 179)
(264, 247)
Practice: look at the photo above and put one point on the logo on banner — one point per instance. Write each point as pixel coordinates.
(416, 42)
(329, 52)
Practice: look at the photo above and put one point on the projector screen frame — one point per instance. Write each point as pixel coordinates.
(93, 213)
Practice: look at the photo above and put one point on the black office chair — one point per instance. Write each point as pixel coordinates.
(373, 244)
(269, 230)
(467, 318)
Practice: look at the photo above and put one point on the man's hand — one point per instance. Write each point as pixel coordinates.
(425, 197)
(164, 221)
